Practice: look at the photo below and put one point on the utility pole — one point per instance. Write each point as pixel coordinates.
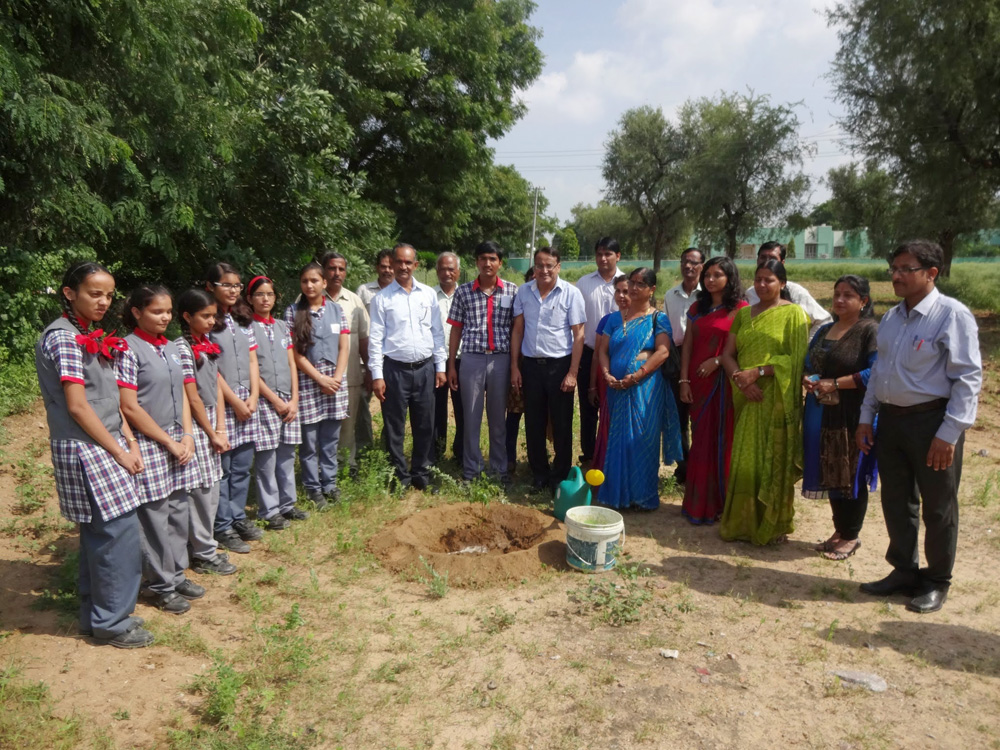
(534, 222)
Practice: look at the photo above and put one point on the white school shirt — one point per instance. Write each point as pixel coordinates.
(598, 301)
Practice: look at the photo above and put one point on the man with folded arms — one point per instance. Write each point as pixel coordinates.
(924, 386)
(548, 330)
(407, 359)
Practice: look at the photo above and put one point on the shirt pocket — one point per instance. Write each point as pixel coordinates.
(555, 316)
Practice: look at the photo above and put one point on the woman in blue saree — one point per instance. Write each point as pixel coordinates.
(643, 414)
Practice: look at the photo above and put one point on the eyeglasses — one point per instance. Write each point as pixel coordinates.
(691, 263)
(545, 269)
(903, 270)
(228, 287)
(263, 295)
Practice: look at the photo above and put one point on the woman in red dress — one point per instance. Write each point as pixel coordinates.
(704, 385)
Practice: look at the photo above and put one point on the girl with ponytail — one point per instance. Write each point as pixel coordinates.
(240, 380)
(94, 456)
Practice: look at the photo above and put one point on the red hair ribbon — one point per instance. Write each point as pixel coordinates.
(91, 342)
(206, 347)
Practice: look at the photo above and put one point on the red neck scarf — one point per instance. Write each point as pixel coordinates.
(150, 338)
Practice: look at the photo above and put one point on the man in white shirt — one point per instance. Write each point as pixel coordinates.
(356, 429)
(799, 294)
(598, 290)
(386, 273)
(676, 303)
(407, 358)
(448, 269)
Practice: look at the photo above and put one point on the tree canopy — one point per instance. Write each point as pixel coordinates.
(157, 136)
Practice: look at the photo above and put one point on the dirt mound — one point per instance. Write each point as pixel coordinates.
(477, 545)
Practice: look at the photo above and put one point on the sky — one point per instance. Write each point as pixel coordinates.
(605, 57)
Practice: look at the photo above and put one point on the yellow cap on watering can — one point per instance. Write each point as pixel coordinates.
(571, 492)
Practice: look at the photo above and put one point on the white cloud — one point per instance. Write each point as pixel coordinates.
(663, 52)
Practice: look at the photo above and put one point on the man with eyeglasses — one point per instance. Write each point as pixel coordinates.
(676, 303)
(598, 290)
(356, 429)
(798, 293)
(924, 387)
(407, 357)
(548, 330)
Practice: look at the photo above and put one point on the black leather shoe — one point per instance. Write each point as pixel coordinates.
(930, 601)
(897, 582)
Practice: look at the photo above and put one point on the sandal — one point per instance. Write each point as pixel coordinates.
(830, 544)
(842, 555)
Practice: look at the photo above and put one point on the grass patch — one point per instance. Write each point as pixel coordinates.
(64, 595)
(18, 387)
(616, 603)
(27, 721)
(437, 583)
(497, 620)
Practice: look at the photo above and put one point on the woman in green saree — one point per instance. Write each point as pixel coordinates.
(764, 356)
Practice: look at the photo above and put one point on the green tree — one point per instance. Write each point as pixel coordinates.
(918, 80)
(591, 223)
(566, 240)
(790, 248)
(501, 208)
(866, 198)
(744, 170)
(643, 170)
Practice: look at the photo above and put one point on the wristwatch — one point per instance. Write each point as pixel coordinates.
(760, 371)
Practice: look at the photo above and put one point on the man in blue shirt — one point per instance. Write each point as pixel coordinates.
(406, 356)
(924, 386)
(549, 316)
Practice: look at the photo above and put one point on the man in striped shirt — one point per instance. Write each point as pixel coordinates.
(481, 318)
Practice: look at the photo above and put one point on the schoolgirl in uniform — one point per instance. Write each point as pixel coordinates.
(151, 387)
(321, 335)
(94, 456)
(240, 390)
(199, 362)
(278, 429)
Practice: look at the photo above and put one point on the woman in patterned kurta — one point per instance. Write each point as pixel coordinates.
(321, 335)
(769, 339)
(93, 456)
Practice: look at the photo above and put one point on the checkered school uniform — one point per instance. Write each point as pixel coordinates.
(486, 320)
(235, 336)
(271, 429)
(80, 463)
(314, 405)
(209, 462)
(162, 475)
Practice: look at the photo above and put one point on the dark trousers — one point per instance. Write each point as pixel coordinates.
(441, 419)
(684, 419)
(588, 412)
(544, 400)
(902, 443)
(413, 389)
(110, 571)
(849, 512)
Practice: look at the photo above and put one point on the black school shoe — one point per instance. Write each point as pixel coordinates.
(248, 531)
(317, 499)
(135, 622)
(171, 603)
(277, 523)
(135, 637)
(295, 515)
(190, 590)
(219, 566)
(232, 542)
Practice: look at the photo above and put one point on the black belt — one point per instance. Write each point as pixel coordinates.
(898, 411)
(548, 360)
(407, 365)
(487, 354)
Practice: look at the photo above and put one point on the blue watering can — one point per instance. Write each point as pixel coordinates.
(574, 490)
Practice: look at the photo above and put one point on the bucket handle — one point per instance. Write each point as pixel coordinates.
(578, 556)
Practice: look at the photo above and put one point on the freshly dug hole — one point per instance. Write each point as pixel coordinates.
(475, 545)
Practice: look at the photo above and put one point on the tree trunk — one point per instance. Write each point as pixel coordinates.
(731, 242)
(946, 238)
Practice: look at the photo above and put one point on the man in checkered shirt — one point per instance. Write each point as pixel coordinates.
(481, 318)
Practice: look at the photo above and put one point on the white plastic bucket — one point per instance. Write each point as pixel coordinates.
(594, 538)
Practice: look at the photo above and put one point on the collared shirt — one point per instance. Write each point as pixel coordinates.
(486, 319)
(598, 301)
(367, 293)
(548, 322)
(444, 305)
(356, 312)
(676, 303)
(405, 327)
(801, 297)
(930, 352)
